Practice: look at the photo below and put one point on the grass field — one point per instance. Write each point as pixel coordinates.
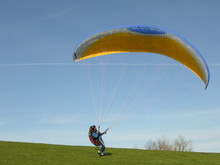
(14, 153)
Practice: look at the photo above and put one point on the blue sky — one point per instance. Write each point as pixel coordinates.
(46, 98)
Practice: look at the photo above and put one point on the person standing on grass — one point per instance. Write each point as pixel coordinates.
(96, 138)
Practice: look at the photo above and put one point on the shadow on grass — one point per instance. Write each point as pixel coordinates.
(108, 154)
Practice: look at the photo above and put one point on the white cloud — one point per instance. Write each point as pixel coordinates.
(5, 122)
(2, 123)
(184, 114)
(52, 16)
(50, 136)
(60, 119)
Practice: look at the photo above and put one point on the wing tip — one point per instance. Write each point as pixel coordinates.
(75, 59)
(206, 85)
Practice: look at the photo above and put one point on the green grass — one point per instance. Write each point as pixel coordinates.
(14, 153)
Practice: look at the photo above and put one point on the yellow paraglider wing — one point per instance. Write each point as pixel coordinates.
(144, 39)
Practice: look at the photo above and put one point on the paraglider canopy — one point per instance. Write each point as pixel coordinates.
(148, 39)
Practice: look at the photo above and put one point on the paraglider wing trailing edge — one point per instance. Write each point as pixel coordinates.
(148, 39)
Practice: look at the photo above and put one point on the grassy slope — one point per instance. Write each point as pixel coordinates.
(42, 154)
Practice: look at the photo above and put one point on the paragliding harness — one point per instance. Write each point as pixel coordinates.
(94, 140)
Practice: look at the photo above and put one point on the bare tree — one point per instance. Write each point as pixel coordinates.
(151, 145)
(164, 144)
(182, 144)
